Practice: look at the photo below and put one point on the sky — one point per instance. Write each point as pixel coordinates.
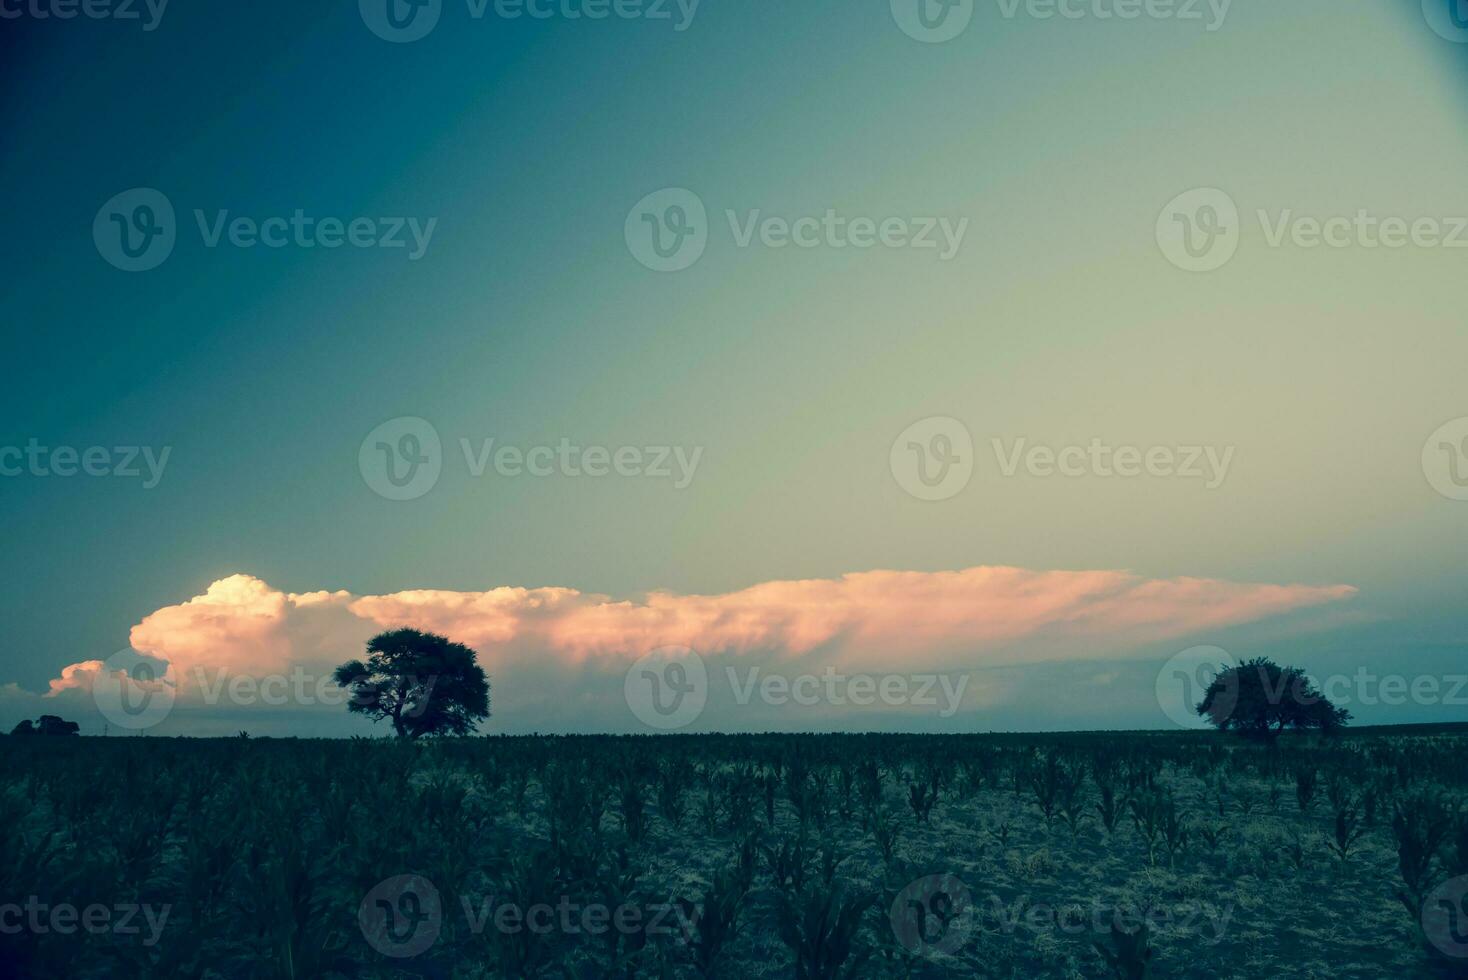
(1013, 350)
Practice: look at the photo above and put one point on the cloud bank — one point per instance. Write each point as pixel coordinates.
(557, 656)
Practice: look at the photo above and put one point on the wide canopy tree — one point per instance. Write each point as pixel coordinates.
(425, 684)
(1260, 699)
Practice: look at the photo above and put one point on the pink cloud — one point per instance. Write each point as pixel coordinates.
(877, 620)
(971, 615)
(75, 677)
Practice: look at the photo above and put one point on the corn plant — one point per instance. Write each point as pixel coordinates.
(712, 923)
(787, 863)
(1109, 807)
(820, 927)
(921, 797)
(632, 808)
(672, 781)
(1348, 830)
(1175, 830)
(1306, 783)
(1212, 835)
(1129, 955)
(884, 834)
(1148, 813)
(1421, 824)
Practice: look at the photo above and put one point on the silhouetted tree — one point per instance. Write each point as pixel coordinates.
(424, 683)
(1260, 699)
(47, 725)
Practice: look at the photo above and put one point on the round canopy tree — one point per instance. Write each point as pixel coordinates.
(1260, 699)
(424, 683)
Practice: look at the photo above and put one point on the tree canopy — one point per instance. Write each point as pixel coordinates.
(1259, 698)
(425, 684)
(47, 725)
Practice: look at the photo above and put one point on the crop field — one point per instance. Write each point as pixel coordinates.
(1068, 856)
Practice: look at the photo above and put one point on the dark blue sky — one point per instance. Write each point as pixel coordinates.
(520, 145)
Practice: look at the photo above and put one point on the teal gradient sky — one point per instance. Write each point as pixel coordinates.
(528, 320)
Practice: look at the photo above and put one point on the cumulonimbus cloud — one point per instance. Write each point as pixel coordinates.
(878, 620)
